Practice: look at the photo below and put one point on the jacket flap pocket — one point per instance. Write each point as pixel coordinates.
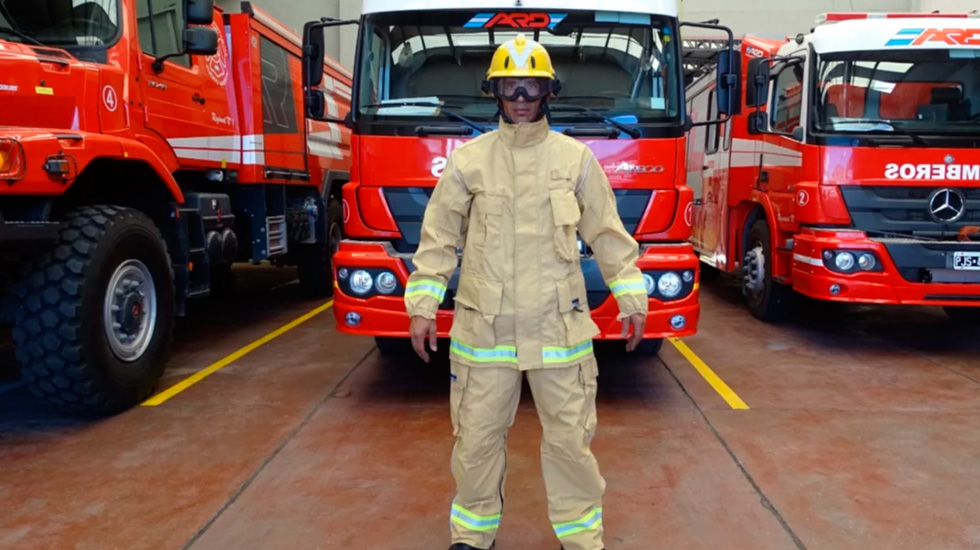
(572, 294)
(480, 294)
(564, 207)
(560, 177)
(491, 205)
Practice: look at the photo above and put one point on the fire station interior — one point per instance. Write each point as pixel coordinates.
(839, 426)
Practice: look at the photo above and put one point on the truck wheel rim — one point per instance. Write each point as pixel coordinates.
(754, 280)
(130, 310)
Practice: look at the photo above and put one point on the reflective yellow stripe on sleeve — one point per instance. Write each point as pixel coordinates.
(620, 287)
(426, 288)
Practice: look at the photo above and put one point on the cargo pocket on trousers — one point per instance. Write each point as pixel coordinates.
(588, 378)
(566, 215)
(459, 378)
(573, 306)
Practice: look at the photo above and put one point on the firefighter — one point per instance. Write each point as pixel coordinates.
(513, 199)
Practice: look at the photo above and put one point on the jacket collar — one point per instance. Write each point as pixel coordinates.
(525, 134)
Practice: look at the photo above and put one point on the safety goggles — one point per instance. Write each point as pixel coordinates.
(531, 89)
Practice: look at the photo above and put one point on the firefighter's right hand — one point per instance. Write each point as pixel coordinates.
(420, 328)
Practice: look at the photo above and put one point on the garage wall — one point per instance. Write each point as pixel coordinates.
(948, 5)
(294, 14)
(779, 18)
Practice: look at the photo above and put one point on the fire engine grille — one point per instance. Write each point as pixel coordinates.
(906, 210)
(407, 206)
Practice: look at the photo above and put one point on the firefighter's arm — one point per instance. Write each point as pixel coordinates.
(615, 249)
(442, 228)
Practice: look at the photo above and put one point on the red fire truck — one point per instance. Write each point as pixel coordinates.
(852, 172)
(417, 97)
(145, 146)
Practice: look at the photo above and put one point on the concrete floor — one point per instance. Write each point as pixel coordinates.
(861, 434)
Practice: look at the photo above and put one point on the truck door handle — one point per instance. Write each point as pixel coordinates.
(198, 98)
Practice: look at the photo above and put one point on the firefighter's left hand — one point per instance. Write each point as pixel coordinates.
(639, 322)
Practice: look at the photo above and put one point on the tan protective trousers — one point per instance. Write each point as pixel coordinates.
(483, 406)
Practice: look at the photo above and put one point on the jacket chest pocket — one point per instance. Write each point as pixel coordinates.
(566, 215)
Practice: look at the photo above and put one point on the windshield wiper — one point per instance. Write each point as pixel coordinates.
(632, 131)
(442, 110)
(14, 32)
(892, 129)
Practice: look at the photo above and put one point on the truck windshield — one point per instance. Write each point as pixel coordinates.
(621, 66)
(60, 23)
(928, 92)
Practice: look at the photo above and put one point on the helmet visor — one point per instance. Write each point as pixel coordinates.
(531, 89)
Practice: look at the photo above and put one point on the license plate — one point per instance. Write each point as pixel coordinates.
(966, 261)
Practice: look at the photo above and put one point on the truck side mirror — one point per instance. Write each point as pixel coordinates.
(199, 12)
(757, 87)
(200, 41)
(728, 89)
(758, 123)
(314, 50)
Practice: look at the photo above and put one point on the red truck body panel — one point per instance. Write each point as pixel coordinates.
(803, 197)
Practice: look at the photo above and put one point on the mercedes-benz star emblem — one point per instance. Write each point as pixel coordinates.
(947, 205)
(950, 159)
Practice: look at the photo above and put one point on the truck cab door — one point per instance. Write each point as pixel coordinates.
(782, 155)
(187, 101)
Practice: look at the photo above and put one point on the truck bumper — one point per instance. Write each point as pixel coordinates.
(907, 272)
(385, 316)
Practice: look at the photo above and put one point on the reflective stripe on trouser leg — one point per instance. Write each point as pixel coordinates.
(565, 400)
(483, 402)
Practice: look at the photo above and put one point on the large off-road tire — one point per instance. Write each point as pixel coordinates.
(964, 315)
(96, 314)
(314, 262)
(767, 299)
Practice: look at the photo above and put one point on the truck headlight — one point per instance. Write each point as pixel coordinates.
(387, 282)
(669, 285)
(650, 283)
(867, 261)
(361, 282)
(844, 261)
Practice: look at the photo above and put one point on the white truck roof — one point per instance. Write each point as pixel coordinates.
(871, 34)
(658, 7)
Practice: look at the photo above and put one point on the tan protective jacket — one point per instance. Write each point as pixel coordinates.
(513, 199)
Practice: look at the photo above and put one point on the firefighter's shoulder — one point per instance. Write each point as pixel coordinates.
(473, 148)
(567, 146)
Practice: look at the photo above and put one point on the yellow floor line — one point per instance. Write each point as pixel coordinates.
(172, 391)
(719, 385)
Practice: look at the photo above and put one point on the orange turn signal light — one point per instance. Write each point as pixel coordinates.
(13, 165)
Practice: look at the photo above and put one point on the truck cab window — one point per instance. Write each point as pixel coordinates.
(617, 70)
(161, 23)
(61, 23)
(788, 99)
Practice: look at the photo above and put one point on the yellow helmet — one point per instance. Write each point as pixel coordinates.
(521, 57)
